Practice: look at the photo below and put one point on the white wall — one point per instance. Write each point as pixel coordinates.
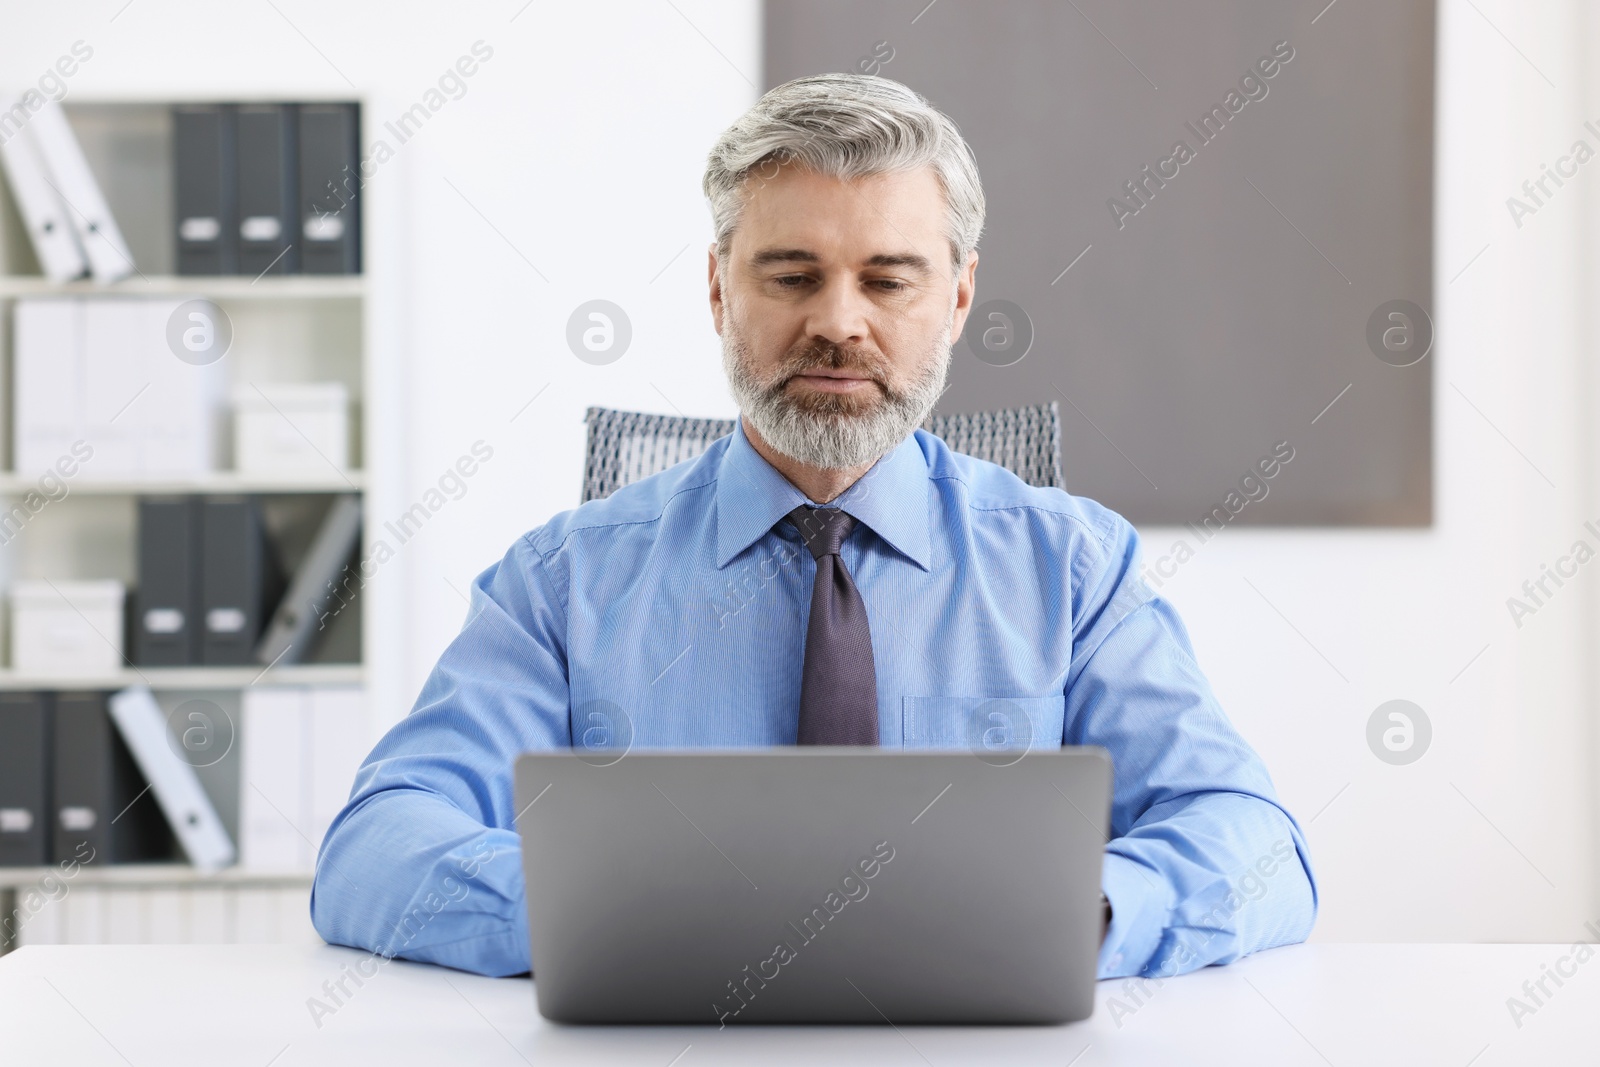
(585, 151)
(1402, 854)
(582, 140)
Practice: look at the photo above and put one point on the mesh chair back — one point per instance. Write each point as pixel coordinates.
(625, 446)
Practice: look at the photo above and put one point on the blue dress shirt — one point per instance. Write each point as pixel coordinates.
(673, 614)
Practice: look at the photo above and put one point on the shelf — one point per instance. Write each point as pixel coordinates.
(12, 484)
(215, 287)
(152, 874)
(169, 678)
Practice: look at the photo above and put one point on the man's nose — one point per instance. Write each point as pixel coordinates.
(839, 313)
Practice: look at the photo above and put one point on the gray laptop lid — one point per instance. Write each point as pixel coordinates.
(814, 885)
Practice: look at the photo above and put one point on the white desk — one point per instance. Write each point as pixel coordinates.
(1344, 1005)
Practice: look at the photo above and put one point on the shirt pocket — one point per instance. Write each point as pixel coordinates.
(983, 724)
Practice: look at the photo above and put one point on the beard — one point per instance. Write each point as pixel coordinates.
(833, 430)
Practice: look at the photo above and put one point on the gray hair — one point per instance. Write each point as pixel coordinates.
(845, 126)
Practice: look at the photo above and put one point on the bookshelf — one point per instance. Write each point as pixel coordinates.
(175, 875)
(287, 329)
(271, 287)
(189, 679)
(223, 482)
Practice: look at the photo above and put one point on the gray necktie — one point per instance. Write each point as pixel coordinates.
(838, 686)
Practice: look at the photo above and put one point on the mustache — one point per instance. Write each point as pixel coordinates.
(827, 356)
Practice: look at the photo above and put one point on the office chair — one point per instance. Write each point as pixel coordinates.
(625, 446)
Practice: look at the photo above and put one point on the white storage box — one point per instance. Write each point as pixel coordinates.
(68, 628)
(302, 428)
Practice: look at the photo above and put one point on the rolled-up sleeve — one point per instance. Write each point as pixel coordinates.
(424, 861)
(1204, 864)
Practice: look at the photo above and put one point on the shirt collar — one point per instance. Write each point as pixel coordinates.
(891, 498)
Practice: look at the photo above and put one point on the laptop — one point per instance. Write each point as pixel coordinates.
(825, 885)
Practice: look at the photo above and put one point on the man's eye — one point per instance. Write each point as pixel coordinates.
(791, 281)
(889, 285)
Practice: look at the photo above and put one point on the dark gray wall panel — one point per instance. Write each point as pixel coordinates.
(1226, 314)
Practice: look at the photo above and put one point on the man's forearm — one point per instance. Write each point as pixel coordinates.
(408, 874)
(1204, 879)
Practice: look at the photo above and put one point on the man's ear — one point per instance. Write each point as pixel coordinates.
(966, 287)
(715, 285)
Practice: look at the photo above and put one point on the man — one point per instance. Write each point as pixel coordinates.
(716, 604)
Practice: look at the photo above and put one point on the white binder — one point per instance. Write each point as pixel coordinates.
(338, 739)
(301, 749)
(90, 215)
(47, 369)
(176, 787)
(275, 781)
(54, 237)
